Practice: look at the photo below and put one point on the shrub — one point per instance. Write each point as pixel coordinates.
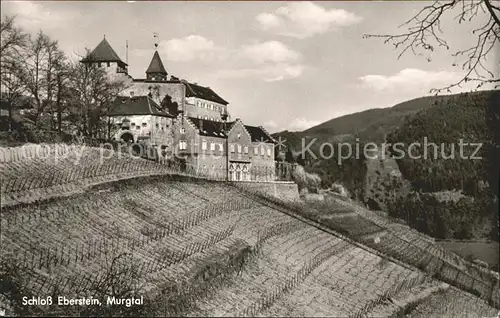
(306, 180)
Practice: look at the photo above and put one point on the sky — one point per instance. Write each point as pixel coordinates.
(283, 65)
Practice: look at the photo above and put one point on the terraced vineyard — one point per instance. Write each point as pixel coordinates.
(199, 248)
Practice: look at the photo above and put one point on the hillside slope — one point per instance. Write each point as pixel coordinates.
(469, 185)
(457, 193)
(369, 125)
(201, 248)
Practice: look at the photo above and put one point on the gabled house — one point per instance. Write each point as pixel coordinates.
(262, 157)
(139, 118)
(240, 157)
(202, 144)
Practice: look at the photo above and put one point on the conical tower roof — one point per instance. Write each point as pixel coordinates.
(103, 53)
(156, 65)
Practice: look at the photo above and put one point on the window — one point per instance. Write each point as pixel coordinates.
(205, 105)
(262, 151)
(204, 145)
(199, 104)
(132, 124)
(107, 64)
(211, 106)
(137, 127)
(206, 117)
(231, 147)
(245, 150)
(99, 64)
(182, 145)
(239, 135)
(269, 152)
(158, 126)
(182, 130)
(221, 147)
(255, 151)
(239, 148)
(212, 146)
(144, 124)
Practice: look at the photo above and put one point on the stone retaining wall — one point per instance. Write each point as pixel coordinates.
(286, 190)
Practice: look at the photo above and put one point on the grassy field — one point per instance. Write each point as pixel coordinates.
(192, 247)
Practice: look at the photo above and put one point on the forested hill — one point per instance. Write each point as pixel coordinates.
(472, 117)
(369, 125)
(475, 119)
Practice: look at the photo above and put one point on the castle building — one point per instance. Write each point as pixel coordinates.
(104, 56)
(139, 118)
(185, 120)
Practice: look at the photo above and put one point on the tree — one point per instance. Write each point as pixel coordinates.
(92, 92)
(40, 59)
(171, 107)
(13, 40)
(424, 35)
(289, 157)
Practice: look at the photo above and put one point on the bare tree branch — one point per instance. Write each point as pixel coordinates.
(424, 34)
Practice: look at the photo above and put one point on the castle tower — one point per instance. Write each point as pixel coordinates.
(156, 71)
(104, 56)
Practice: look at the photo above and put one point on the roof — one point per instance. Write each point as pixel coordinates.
(103, 53)
(258, 134)
(140, 105)
(208, 127)
(156, 65)
(194, 90)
